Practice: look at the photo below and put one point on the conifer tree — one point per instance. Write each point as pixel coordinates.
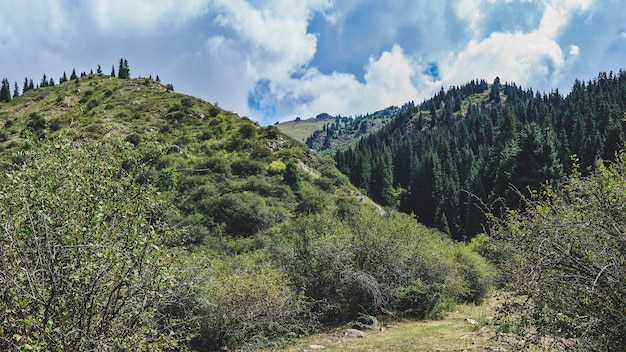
(63, 78)
(31, 84)
(5, 91)
(123, 71)
(25, 88)
(99, 70)
(73, 76)
(112, 71)
(16, 91)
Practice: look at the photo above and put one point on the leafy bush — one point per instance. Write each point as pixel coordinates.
(244, 214)
(82, 265)
(565, 256)
(367, 261)
(36, 122)
(249, 301)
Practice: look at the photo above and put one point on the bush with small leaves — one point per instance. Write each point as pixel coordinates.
(83, 265)
(564, 255)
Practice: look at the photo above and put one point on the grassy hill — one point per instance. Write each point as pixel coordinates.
(144, 218)
(325, 134)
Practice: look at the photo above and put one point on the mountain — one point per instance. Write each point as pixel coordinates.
(461, 154)
(134, 216)
(324, 132)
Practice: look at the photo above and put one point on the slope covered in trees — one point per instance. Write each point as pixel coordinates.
(460, 154)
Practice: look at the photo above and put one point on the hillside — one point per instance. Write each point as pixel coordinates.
(325, 133)
(461, 155)
(143, 218)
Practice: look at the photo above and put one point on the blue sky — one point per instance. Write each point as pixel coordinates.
(274, 60)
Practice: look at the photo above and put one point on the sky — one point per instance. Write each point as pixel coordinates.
(275, 60)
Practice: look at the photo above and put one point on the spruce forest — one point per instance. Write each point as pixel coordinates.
(469, 150)
(133, 217)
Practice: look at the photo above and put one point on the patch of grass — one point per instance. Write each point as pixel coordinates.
(452, 333)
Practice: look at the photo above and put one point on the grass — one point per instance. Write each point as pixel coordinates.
(301, 130)
(453, 333)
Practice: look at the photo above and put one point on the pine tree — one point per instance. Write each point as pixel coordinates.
(99, 70)
(123, 71)
(63, 78)
(44, 81)
(5, 91)
(73, 76)
(25, 88)
(16, 91)
(31, 84)
(112, 71)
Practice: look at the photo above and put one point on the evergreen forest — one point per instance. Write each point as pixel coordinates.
(467, 151)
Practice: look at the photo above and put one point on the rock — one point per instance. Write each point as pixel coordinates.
(368, 320)
(361, 326)
(354, 333)
(471, 321)
(317, 347)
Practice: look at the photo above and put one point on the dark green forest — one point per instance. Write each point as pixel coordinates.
(465, 152)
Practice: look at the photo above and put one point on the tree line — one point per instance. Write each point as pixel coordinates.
(467, 149)
(29, 84)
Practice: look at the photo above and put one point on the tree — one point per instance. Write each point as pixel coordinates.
(83, 265)
(565, 254)
(112, 71)
(63, 78)
(16, 90)
(5, 91)
(123, 71)
(99, 70)
(44, 81)
(73, 76)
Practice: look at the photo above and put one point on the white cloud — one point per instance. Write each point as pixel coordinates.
(518, 57)
(144, 15)
(275, 36)
(390, 79)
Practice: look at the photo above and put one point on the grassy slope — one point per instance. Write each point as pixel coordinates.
(301, 130)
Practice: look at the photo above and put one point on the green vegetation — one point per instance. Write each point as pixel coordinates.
(563, 258)
(455, 157)
(138, 218)
(327, 134)
(83, 262)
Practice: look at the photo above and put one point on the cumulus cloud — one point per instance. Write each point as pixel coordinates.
(388, 80)
(277, 59)
(144, 16)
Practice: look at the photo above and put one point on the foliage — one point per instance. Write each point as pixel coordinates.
(368, 261)
(248, 301)
(565, 255)
(83, 265)
(450, 158)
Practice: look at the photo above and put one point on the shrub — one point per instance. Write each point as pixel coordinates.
(82, 264)
(244, 214)
(249, 301)
(36, 122)
(367, 261)
(565, 254)
(276, 167)
(247, 167)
